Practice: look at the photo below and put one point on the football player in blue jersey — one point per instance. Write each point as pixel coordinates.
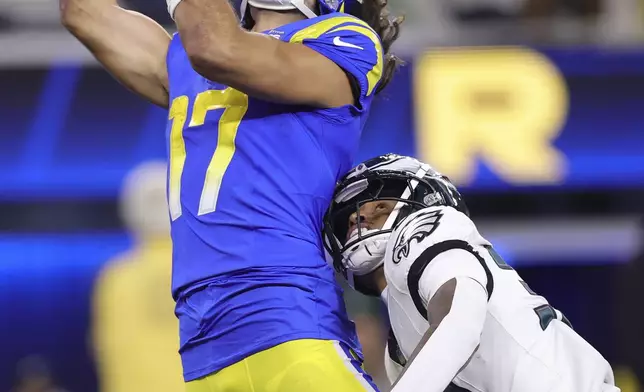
(264, 117)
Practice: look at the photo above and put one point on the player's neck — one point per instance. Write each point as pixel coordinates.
(267, 20)
(380, 280)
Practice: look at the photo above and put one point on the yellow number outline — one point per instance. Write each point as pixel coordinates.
(235, 104)
(178, 114)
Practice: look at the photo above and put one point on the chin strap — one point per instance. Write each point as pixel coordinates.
(299, 4)
(172, 5)
(242, 9)
(277, 5)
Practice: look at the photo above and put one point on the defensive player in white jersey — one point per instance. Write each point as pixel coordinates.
(461, 318)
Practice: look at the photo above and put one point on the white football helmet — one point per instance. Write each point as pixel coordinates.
(412, 184)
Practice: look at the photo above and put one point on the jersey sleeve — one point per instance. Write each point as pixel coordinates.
(352, 45)
(429, 247)
(453, 263)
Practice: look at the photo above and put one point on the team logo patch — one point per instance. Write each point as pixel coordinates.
(417, 229)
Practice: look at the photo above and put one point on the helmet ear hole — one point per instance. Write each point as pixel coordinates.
(403, 213)
(341, 224)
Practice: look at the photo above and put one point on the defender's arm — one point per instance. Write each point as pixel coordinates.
(452, 285)
(257, 64)
(131, 46)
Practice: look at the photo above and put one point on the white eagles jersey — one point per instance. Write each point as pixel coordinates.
(525, 346)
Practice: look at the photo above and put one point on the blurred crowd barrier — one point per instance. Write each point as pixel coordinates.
(534, 108)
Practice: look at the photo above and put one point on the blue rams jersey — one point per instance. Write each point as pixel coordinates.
(249, 182)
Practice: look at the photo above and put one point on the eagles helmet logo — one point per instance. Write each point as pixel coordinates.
(416, 229)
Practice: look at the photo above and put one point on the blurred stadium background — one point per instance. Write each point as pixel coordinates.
(534, 107)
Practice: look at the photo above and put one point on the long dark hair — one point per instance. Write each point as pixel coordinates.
(377, 15)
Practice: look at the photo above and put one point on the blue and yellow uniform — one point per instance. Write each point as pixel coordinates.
(249, 182)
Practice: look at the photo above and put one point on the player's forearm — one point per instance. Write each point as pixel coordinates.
(210, 32)
(450, 343)
(131, 46)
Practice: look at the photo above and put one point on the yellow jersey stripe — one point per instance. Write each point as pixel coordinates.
(374, 75)
(334, 24)
(317, 29)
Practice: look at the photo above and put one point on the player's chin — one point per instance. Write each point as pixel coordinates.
(353, 235)
(356, 235)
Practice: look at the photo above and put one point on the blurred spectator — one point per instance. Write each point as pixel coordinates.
(630, 323)
(474, 10)
(134, 328)
(43, 14)
(366, 313)
(578, 8)
(155, 10)
(35, 14)
(34, 375)
(372, 337)
(504, 9)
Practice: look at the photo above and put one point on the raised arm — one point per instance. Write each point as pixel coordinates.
(131, 46)
(453, 287)
(268, 68)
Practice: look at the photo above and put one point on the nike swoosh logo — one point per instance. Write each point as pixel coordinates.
(339, 42)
